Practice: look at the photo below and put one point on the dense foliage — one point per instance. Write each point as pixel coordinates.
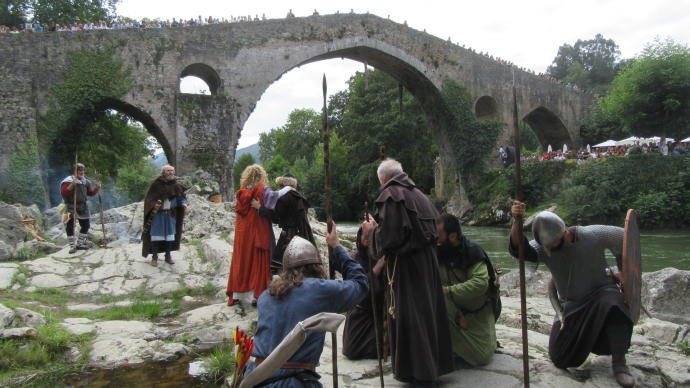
(599, 191)
(651, 96)
(15, 12)
(239, 166)
(362, 119)
(78, 124)
(591, 64)
(471, 139)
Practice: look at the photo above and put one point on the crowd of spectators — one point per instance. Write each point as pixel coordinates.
(125, 23)
(670, 148)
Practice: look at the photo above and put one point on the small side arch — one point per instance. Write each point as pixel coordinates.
(204, 72)
(486, 108)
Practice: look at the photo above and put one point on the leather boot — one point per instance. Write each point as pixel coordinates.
(81, 242)
(620, 370)
(168, 258)
(72, 246)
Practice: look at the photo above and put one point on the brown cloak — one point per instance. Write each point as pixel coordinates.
(162, 189)
(419, 333)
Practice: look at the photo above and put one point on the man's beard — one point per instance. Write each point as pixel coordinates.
(170, 177)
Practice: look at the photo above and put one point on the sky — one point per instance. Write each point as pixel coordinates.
(527, 33)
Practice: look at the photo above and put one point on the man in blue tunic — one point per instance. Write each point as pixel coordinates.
(164, 208)
(301, 292)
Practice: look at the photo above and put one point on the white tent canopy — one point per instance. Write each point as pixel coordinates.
(656, 139)
(686, 140)
(607, 143)
(630, 140)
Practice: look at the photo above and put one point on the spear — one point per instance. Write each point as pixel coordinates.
(74, 202)
(521, 247)
(328, 196)
(100, 208)
(373, 303)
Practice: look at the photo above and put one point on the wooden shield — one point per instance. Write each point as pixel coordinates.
(632, 269)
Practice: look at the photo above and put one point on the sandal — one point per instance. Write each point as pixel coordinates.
(154, 262)
(169, 260)
(232, 302)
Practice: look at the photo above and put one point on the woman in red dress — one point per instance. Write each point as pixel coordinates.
(254, 240)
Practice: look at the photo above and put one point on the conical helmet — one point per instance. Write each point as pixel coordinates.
(300, 252)
(547, 229)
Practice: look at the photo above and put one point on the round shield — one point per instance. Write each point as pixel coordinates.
(632, 269)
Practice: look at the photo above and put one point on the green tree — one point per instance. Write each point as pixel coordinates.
(590, 64)
(294, 139)
(651, 96)
(239, 166)
(13, 12)
(133, 179)
(73, 11)
(373, 117)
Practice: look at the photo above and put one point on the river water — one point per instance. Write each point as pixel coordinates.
(660, 249)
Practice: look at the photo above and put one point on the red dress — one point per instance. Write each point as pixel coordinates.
(251, 254)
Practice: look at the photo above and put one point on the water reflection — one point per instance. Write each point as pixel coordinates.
(660, 249)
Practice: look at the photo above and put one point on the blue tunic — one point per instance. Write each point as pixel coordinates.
(278, 317)
(164, 224)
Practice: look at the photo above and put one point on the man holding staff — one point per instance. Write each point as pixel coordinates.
(81, 187)
(404, 231)
(594, 316)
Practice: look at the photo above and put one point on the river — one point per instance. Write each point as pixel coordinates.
(660, 249)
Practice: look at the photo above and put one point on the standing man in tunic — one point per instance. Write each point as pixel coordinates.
(82, 187)
(596, 319)
(404, 231)
(165, 206)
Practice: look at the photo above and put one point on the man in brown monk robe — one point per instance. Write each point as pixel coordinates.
(404, 231)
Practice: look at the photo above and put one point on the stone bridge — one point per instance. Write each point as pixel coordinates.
(239, 61)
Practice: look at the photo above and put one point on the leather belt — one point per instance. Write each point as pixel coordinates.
(290, 364)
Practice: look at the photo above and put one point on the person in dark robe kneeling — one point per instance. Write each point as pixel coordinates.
(359, 334)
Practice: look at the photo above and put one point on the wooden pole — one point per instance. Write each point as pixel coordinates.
(328, 197)
(374, 311)
(521, 247)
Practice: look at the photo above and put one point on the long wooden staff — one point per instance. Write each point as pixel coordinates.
(74, 202)
(328, 197)
(100, 208)
(521, 246)
(373, 303)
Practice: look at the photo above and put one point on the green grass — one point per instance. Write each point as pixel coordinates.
(26, 253)
(42, 357)
(684, 347)
(220, 363)
(146, 309)
(224, 235)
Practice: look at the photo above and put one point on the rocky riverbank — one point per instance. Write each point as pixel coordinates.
(124, 311)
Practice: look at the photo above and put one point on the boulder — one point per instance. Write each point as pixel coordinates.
(30, 318)
(536, 283)
(11, 228)
(7, 316)
(666, 294)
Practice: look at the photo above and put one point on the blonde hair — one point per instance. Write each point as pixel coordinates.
(253, 175)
